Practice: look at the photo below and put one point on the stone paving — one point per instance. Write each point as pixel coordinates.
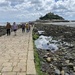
(16, 54)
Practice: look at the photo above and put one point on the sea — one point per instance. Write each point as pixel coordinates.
(70, 24)
(4, 23)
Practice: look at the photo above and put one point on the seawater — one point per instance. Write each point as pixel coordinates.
(4, 23)
(71, 24)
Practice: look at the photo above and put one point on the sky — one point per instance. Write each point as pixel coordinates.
(30, 10)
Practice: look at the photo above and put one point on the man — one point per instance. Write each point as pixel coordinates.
(23, 28)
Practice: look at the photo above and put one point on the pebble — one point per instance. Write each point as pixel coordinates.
(55, 59)
(67, 61)
(74, 68)
(48, 59)
(62, 72)
(57, 71)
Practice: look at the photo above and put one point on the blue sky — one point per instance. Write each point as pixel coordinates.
(29, 10)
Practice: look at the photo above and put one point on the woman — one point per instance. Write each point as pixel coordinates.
(8, 27)
(14, 27)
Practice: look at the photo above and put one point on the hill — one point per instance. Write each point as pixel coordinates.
(51, 16)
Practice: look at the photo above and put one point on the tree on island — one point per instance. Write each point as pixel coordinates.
(51, 16)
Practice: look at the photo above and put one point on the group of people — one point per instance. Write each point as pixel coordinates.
(25, 27)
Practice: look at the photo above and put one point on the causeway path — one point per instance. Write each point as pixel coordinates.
(17, 54)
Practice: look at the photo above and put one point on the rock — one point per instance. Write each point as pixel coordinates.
(71, 59)
(44, 67)
(45, 56)
(73, 73)
(70, 65)
(71, 46)
(63, 48)
(74, 68)
(48, 53)
(55, 59)
(48, 59)
(41, 32)
(62, 72)
(66, 74)
(57, 72)
(51, 65)
(67, 61)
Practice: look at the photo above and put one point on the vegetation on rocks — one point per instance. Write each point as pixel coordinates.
(50, 16)
(35, 36)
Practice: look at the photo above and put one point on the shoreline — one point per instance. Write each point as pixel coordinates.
(62, 60)
(2, 30)
(57, 30)
(70, 24)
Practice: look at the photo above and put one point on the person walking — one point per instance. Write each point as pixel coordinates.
(23, 28)
(14, 27)
(8, 27)
(27, 27)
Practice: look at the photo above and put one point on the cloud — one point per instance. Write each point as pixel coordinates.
(15, 2)
(23, 10)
